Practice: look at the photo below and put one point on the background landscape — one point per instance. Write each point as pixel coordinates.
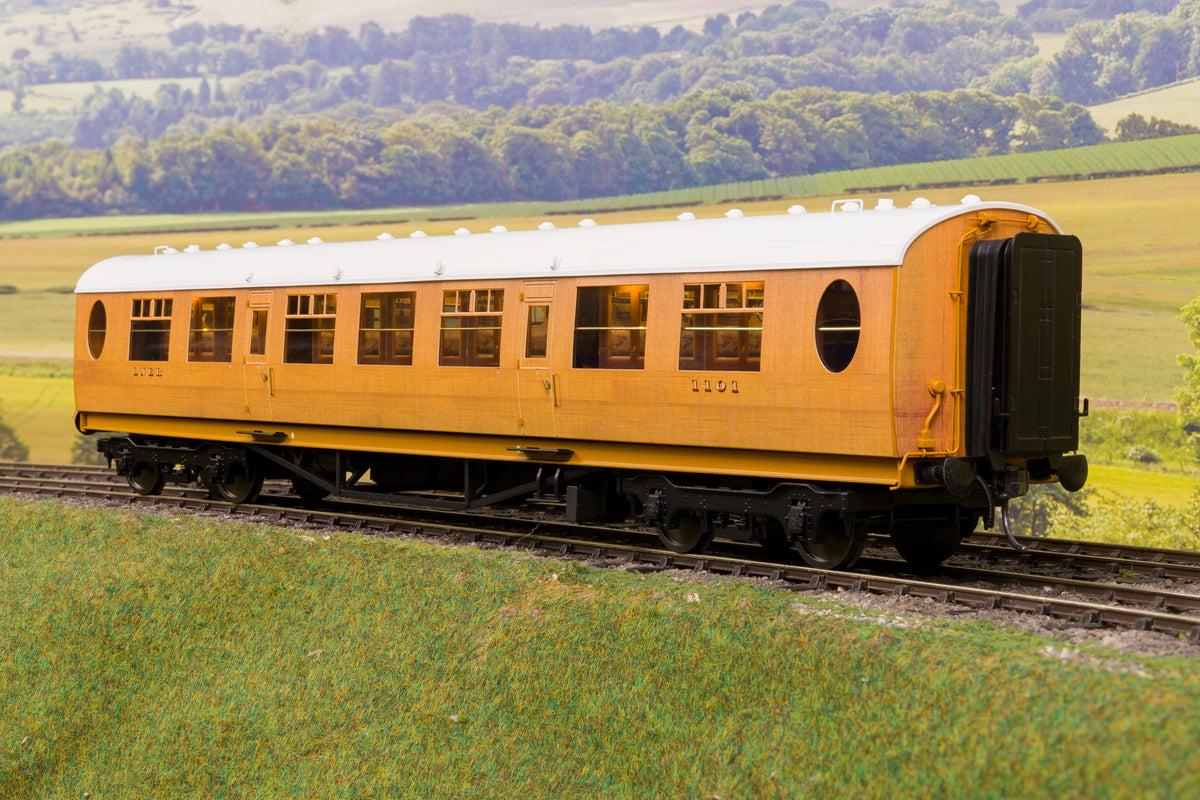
(145, 656)
(131, 124)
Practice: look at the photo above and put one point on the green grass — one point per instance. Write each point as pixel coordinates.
(1131, 356)
(1140, 454)
(1167, 488)
(156, 658)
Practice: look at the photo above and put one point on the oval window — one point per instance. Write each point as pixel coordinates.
(839, 324)
(97, 328)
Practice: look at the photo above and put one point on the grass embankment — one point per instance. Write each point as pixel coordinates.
(149, 657)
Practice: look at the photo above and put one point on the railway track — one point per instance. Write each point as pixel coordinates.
(1079, 583)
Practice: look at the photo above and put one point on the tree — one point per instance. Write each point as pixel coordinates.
(537, 161)
(1135, 126)
(83, 451)
(11, 448)
(1161, 58)
(725, 159)
(1188, 395)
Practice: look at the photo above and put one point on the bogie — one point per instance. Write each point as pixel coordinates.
(834, 542)
(145, 478)
(927, 539)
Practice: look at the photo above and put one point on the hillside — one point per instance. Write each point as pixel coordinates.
(1179, 102)
(182, 658)
(99, 27)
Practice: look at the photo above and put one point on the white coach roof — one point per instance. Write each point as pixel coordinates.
(847, 237)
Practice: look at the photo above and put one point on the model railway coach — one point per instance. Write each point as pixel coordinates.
(796, 379)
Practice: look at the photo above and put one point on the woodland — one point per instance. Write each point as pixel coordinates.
(451, 110)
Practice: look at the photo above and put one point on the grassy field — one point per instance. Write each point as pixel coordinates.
(1141, 267)
(1179, 102)
(66, 97)
(99, 27)
(150, 657)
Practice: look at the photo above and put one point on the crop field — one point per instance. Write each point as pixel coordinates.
(167, 658)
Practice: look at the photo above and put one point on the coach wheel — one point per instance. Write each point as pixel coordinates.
(834, 543)
(308, 491)
(242, 485)
(145, 478)
(687, 533)
(925, 544)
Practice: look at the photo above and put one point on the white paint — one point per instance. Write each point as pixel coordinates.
(867, 238)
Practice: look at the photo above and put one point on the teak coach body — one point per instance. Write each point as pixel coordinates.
(796, 379)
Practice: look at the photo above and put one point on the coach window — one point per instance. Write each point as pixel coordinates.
(258, 332)
(385, 328)
(150, 329)
(211, 337)
(308, 328)
(470, 334)
(839, 323)
(537, 334)
(97, 329)
(610, 327)
(721, 326)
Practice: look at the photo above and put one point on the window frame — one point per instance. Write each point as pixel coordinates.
(838, 346)
(211, 341)
(97, 330)
(606, 344)
(150, 328)
(389, 332)
(472, 318)
(715, 316)
(310, 327)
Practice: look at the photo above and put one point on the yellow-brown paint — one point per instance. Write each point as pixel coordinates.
(792, 419)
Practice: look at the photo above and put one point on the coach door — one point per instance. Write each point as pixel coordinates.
(537, 387)
(260, 375)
